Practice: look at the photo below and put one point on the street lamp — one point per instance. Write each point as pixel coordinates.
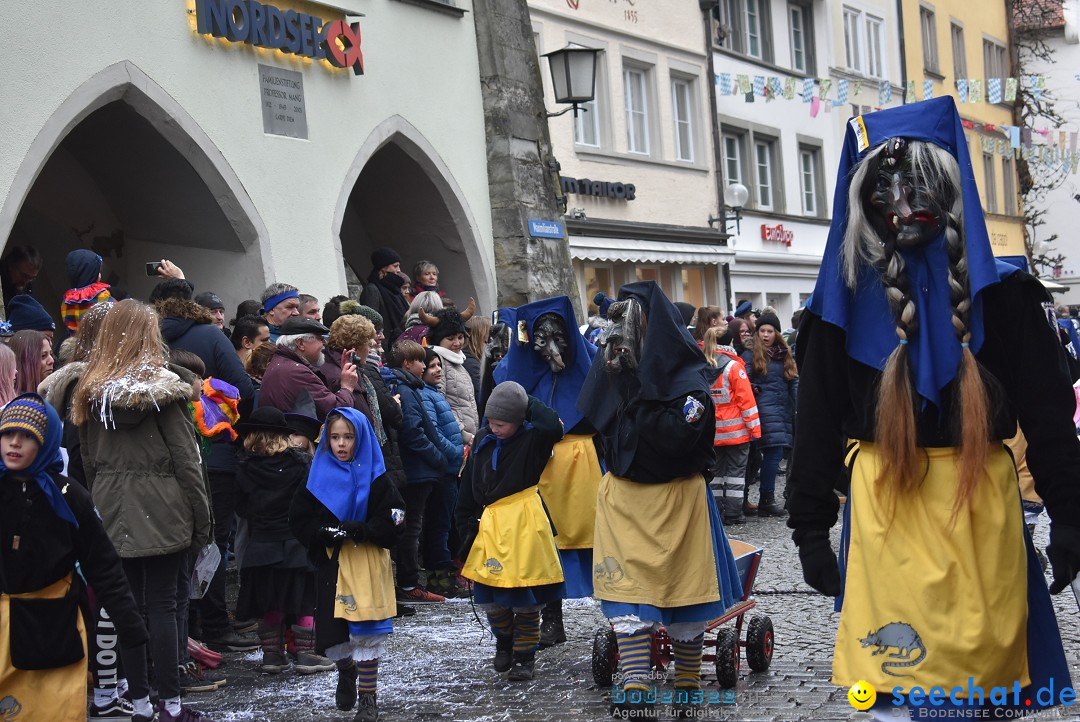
(573, 76)
(735, 197)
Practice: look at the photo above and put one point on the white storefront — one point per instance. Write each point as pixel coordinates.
(131, 129)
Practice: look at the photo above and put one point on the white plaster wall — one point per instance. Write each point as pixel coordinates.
(669, 37)
(1063, 211)
(420, 65)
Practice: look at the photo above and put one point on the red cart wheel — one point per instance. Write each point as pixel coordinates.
(759, 643)
(727, 658)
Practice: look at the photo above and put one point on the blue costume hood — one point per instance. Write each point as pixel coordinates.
(344, 487)
(524, 365)
(864, 313)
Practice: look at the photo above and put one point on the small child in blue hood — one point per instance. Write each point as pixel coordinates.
(84, 276)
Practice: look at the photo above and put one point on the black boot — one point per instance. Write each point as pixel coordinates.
(345, 696)
(551, 626)
(767, 506)
(504, 653)
(367, 711)
(523, 667)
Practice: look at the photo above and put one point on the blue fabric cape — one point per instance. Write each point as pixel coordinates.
(864, 313)
(524, 365)
(344, 487)
(48, 461)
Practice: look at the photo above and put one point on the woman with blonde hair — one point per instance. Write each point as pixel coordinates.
(144, 470)
(775, 381)
(7, 375)
(478, 328)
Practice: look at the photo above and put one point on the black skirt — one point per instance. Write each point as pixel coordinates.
(283, 582)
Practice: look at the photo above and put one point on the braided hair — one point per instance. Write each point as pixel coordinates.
(895, 428)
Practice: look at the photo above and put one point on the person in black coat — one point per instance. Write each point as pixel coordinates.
(47, 525)
(348, 516)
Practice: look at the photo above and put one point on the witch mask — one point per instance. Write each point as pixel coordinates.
(906, 193)
(551, 341)
(498, 342)
(623, 337)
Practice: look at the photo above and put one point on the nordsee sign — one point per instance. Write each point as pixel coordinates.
(265, 26)
(546, 229)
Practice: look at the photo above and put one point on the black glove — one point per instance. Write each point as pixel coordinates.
(820, 569)
(1064, 555)
(330, 535)
(355, 530)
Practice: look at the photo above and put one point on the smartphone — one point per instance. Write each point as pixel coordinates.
(356, 360)
(152, 268)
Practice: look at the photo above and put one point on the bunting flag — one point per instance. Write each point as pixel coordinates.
(807, 89)
(724, 80)
(825, 85)
(1014, 136)
(909, 96)
(775, 86)
(927, 89)
(858, 88)
(759, 85)
(841, 92)
(961, 90)
(884, 92)
(744, 83)
(815, 106)
(1010, 89)
(789, 88)
(993, 90)
(975, 93)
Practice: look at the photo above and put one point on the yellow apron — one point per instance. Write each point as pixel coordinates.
(365, 583)
(53, 694)
(514, 546)
(653, 543)
(568, 487)
(928, 605)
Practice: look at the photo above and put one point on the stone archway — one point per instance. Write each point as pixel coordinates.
(399, 193)
(122, 168)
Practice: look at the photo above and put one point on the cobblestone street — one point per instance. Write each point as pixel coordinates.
(438, 667)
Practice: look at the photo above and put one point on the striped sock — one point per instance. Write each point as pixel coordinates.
(526, 632)
(502, 622)
(635, 659)
(688, 662)
(368, 675)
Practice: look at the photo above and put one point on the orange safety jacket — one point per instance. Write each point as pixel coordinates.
(737, 419)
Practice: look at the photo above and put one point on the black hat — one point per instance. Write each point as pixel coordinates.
(743, 308)
(264, 418)
(210, 300)
(383, 257)
(447, 322)
(26, 314)
(304, 425)
(303, 326)
(770, 319)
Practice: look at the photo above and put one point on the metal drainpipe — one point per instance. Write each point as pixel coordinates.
(706, 12)
(903, 52)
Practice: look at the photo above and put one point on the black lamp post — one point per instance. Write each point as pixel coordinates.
(573, 76)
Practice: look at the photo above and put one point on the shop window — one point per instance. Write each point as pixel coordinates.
(647, 273)
(1008, 184)
(742, 26)
(959, 51)
(682, 106)
(928, 26)
(693, 285)
(636, 97)
(989, 183)
(598, 278)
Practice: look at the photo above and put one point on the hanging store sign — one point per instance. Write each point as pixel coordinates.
(266, 26)
(600, 189)
(777, 234)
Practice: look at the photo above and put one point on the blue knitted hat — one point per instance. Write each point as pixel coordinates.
(26, 314)
(26, 413)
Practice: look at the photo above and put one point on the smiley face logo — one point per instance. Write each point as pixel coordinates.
(861, 695)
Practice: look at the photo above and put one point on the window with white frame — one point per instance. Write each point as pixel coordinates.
(1008, 183)
(959, 51)
(765, 173)
(995, 59)
(636, 96)
(743, 26)
(682, 106)
(798, 21)
(928, 27)
(989, 183)
(587, 122)
(733, 158)
(810, 179)
(864, 40)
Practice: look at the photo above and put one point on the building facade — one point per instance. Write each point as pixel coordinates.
(240, 140)
(959, 47)
(637, 164)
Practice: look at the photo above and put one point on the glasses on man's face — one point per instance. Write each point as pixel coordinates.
(24, 274)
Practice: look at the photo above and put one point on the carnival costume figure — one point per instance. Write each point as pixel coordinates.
(550, 359)
(910, 350)
(660, 555)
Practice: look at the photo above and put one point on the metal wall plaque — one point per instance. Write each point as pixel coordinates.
(283, 109)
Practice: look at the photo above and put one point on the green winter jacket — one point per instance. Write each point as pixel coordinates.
(143, 466)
